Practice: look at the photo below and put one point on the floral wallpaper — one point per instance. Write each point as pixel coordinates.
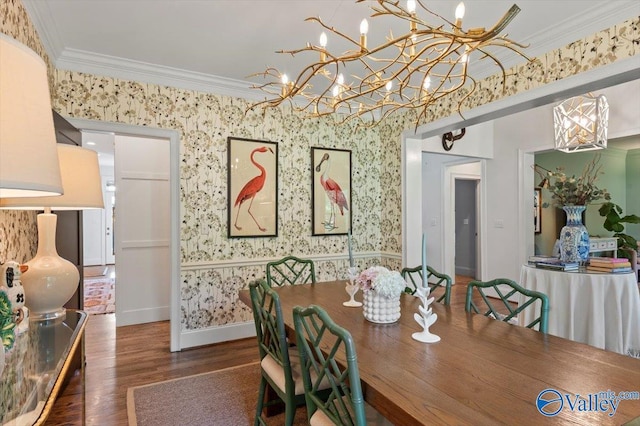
(209, 293)
(209, 287)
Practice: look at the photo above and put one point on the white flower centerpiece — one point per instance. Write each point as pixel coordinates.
(381, 289)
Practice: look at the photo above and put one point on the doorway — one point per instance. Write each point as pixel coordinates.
(462, 241)
(173, 137)
(137, 231)
(99, 280)
(466, 235)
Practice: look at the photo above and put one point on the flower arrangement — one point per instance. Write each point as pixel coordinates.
(384, 282)
(571, 190)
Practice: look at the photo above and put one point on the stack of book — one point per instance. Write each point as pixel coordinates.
(610, 265)
(540, 258)
(557, 265)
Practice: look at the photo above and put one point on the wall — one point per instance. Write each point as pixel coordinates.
(633, 193)
(215, 268)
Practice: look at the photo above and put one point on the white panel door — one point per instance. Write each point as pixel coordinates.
(93, 237)
(142, 230)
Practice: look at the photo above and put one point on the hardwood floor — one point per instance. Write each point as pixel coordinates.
(117, 359)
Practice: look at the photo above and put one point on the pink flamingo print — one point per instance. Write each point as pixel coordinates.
(333, 191)
(251, 188)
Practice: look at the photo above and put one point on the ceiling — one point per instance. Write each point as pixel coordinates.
(214, 45)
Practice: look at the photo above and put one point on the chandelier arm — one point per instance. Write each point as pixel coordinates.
(438, 50)
(467, 95)
(426, 9)
(332, 30)
(404, 13)
(502, 69)
(504, 21)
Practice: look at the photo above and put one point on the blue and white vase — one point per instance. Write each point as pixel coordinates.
(574, 237)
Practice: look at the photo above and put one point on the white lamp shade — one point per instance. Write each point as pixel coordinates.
(80, 179)
(28, 158)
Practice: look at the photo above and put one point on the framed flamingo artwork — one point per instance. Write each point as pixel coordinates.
(330, 191)
(252, 185)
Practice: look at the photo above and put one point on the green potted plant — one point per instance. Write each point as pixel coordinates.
(613, 222)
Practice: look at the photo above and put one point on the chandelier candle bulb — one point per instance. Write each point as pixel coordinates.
(411, 8)
(364, 29)
(323, 44)
(427, 83)
(459, 15)
(285, 82)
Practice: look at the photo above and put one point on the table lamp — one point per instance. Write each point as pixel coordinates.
(28, 157)
(51, 280)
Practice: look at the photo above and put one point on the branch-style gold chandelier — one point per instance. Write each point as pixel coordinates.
(411, 71)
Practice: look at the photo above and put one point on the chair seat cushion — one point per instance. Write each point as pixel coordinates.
(274, 370)
(319, 418)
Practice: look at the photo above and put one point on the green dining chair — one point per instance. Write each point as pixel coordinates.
(319, 340)
(504, 288)
(279, 366)
(439, 284)
(291, 270)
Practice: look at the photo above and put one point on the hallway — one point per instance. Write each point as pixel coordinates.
(99, 289)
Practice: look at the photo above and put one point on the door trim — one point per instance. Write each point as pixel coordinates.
(174, 194)
(448, 206)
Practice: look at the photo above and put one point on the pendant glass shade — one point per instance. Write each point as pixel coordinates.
(580, 123)
(28, 158)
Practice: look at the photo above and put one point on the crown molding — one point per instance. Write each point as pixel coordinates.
(49, 36)
(601, 16)
(597, 18)
(111, 66)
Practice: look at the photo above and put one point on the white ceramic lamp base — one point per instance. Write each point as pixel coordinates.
(50, 280)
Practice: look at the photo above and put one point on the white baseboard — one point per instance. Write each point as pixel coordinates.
(141, 316)
(92, 261)
(207, 336)
(467, 272)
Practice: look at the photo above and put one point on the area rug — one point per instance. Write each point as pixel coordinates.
(99, 295)
(225, 397)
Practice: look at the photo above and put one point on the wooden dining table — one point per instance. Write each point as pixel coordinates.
(481, 372)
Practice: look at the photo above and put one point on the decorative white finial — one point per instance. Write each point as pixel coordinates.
(426, 318)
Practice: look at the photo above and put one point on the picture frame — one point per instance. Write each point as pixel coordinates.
(330, 191)
(537, 210)
(252, 188)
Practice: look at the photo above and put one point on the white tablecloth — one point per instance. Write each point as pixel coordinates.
(602, 310)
